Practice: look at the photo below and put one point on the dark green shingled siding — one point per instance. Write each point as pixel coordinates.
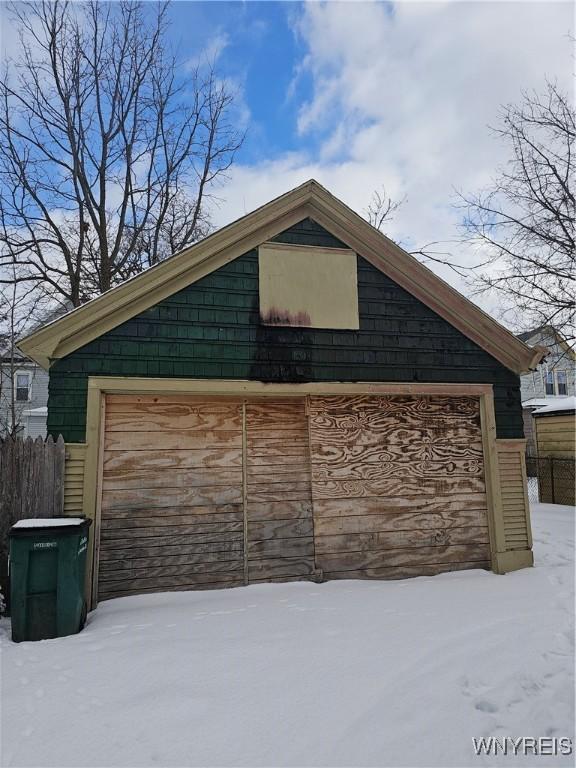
(211, 330)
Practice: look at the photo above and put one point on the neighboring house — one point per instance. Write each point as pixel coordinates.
(23, 396)
(551, 382)
(555, 431)
(294, 397)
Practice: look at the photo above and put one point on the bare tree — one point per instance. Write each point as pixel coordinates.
(524, 223)
(110, 152)
(381, 208)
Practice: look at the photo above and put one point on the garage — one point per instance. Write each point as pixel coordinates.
(292, 397)
(217, 492)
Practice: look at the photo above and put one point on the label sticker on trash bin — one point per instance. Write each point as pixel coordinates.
(45, 545)
(83, 544)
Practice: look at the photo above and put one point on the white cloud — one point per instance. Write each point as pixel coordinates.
(211, 52)
(402, 96)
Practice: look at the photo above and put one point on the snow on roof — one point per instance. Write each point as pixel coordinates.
(567, 404)
(48, 522)
(539, 402)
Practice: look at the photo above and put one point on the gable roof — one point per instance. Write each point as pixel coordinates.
(310, 200)
(552, 333)
(526, 335)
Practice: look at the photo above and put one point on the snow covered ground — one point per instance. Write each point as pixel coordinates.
(400, 673)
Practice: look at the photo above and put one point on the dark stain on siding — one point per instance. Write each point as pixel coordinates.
(212, 329)
(277, 316)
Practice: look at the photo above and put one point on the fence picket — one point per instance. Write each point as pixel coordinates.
(31, 485)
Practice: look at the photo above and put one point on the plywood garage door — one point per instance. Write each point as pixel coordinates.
(172, 494)
(177, 477)
(398, 485)
(200, 492)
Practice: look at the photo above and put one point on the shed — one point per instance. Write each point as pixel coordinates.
(294, 397)
(556, 447)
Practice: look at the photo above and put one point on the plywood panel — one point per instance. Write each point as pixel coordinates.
(447, 507)
(408, 571)
(390, 487)
(399, 539)
(280, 530)
(137, 498)
(202, 493)
(172, 439)
(172, 490)
(404, 521)
(172, 459)
(134, 586)
(397, 482)
(178, 548)
(289, 277)
(385, 558)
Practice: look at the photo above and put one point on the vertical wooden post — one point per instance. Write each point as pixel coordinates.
(526, 499)
(492, 479)
(98, 507)
(91, 490)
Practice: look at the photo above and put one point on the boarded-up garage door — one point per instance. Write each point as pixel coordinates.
(200, 493)
(398, 486)
(172, 495)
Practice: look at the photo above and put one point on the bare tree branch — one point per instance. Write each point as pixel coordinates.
(380, 212)
(108, 155)
(525, 221)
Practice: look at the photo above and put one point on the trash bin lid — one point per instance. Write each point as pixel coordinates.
(45, 524)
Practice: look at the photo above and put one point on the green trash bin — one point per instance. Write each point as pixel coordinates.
(47, 571)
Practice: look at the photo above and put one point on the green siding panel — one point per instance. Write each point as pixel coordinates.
(211, 329)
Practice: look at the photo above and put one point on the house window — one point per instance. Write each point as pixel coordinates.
(23, 381)
(561, 383)
(550, 382)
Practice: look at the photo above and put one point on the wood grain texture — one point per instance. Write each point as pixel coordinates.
(138, 585)
(403, 521)
(117, 542)
(162, 549)
(125, 479)
(172, 459)
(366, 485)
(403, 538)
(397, 481)
(447, 507)
(408, 571)
(389, 487)
(411, 556)
(179, 439)
(138, 498)
(171, 512)
(280, 530)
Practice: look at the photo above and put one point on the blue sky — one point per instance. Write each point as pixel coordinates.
(261, 54)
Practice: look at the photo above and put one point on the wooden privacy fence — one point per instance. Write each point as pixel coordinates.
(31, 485)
